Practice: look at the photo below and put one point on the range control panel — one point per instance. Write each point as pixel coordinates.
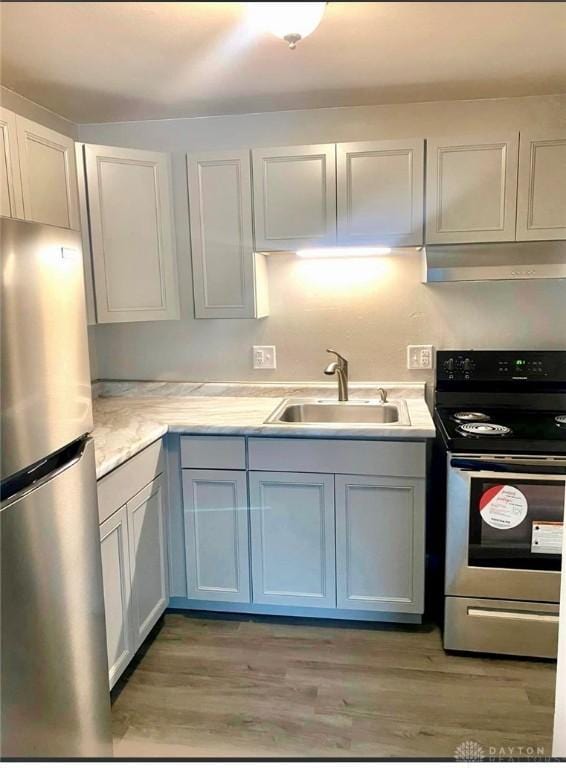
(490, 365)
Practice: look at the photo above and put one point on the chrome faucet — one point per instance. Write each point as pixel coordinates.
(340, 368)
(382, 394)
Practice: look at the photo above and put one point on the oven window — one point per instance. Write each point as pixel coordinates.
(516, 523)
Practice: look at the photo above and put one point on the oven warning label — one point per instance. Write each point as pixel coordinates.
(547, 538)
(503, 506)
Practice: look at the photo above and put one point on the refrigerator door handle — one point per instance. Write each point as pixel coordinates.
(43, 472)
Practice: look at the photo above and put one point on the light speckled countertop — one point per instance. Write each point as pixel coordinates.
(129, 416)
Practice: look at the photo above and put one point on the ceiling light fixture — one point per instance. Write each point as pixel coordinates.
(288, 21)
(325, 253)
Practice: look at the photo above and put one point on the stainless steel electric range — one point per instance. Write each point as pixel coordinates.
(501, 421)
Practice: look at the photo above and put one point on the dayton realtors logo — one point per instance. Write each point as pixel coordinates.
(473, 751)
(469, 751)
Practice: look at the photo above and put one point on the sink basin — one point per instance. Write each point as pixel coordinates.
(332, 412)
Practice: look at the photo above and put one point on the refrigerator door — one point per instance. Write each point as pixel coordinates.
(55, 700)
(46, 395)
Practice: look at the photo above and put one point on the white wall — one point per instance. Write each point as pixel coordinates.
(368, 310)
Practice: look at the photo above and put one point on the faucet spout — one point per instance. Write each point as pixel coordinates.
(340, 368)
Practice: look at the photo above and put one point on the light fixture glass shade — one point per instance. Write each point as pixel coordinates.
(288, 21)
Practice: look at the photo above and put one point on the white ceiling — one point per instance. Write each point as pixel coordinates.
(99, 62)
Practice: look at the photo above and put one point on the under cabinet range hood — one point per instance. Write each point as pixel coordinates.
(494, 261)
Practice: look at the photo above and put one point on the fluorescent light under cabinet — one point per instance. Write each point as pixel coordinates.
(341, 251)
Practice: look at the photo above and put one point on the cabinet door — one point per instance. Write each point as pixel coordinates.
(471, 190)
(49, 176)
(380, 192)
(380, 543)
(11, 202)
(148, 558)
(85, 235)
(216, 534)
(294, 197)
(541, 202)
(131, 225)
(228, 278)
(292, 536)
(116, 579)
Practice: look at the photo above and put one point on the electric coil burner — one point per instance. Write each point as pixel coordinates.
(501, 458)
(464, 416)
(481, 428)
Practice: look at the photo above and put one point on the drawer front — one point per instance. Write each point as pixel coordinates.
(213, 452)
(501, 626)
(352, 457)
(120, 485)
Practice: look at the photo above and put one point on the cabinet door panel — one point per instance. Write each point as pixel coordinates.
(11, 202)
(216, 535)
(292, 535)
(148, 558)
(380, 192)
(294, 197)
(541, 203)
(129, 201)
(471, 190)
(380, 543)
(227, 279)
(116, 580)
(49, 177)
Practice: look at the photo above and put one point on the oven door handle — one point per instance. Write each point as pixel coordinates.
(478, 465)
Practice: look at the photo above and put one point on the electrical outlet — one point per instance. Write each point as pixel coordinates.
(264, 357)
(420, 357)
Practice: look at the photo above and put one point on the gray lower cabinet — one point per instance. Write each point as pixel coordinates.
(380, 543)
(148, 558)
(292, 537)
(216, 534)
(116, 578)
(133, 546)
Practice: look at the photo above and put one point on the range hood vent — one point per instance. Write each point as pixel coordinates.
(494, 261)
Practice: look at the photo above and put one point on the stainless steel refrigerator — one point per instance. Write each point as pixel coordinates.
(54, 680)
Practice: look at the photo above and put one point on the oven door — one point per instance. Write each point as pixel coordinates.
(504, 527)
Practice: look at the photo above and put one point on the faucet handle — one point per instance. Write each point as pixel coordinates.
(338, 355)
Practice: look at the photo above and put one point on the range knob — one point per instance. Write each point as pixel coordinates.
(467, 365)
(449, 364)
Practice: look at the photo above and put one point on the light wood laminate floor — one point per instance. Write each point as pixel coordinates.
(257, 688)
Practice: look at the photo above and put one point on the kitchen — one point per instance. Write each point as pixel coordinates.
(247, 547)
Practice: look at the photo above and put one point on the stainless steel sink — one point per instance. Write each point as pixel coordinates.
(365, 412)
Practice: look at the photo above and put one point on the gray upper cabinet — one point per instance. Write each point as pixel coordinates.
(294, 197)
(380, 192)
(471, 189)
(131, 229)
(229, 279)
(48, 175)
(292, 536)
(380, 543)
(541, 202)
(216, 534)
(11, 201)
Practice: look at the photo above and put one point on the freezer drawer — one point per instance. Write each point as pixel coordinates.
(54, 699)
(501, 626)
